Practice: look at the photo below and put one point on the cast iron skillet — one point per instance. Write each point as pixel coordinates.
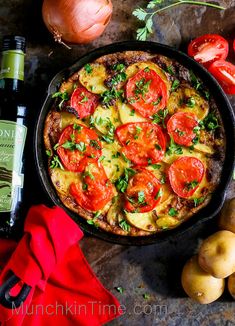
(218, 196)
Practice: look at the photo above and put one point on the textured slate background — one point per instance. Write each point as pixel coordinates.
(153, 269)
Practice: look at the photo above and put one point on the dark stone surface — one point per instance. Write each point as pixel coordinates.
(155, 269)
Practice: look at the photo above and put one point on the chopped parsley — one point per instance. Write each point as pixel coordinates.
(132, 113)
(119, 289)
(88, 68)
(119, 78)
(88, 174)
(116, 155)
(156, 166)
(210, 122)
(125, 226)
(146, 296)
(110, 95)
(159, 194)
(122, 182)
(141, 197)
(55, 163)
(142, 87)
(160, 117)
(77, 127)
(191, 185)
(63, 95)
(71, 145)
(170, 70)
(48, 152)
(174, 148)
(84, 98)
(190, 102)
(172, 212)
(155, 103)
(94, 143)
(158, 147)
(198, 201)
(138, 131)
(93, 222)
(175, 85)
(119, 67)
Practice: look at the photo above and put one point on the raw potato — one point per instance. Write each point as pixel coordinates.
(199, 285)
(217, 254)
(227, 217)
(231, 285)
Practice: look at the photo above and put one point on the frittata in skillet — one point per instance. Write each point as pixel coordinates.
(135, 143)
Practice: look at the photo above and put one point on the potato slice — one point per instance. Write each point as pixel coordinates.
(68, 87)
(143, 221)
(127, 114)
(62, 179)
(69, 119)
(204, 148)
(103, 116)
(186, 152)
(115, 215)
(133, 69)
(178, 102)
(167, 222)
(94, 81)
(113, 162)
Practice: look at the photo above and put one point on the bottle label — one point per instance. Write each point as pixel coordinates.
(12, 142)
(12, 65)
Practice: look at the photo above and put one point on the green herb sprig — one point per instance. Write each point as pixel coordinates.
(147, 14)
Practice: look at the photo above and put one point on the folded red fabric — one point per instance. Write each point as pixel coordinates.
(49, 259)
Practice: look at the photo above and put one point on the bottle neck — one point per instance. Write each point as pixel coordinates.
(12, 71)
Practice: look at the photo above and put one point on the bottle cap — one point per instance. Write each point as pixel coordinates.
(13, 42)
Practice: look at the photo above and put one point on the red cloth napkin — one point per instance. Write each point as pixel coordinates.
(64, 288)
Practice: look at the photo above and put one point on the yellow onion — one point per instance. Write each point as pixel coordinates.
(76, 21)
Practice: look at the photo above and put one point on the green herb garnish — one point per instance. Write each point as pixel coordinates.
(172, 212)
(147, 14)
(88, 68)
(125, 226)
(175, 85)
(174, 148)
(55, 163)
(122, 182)
(119, 289)
(198, 201)
(160, 117)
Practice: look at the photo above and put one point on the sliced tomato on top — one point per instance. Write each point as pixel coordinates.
(84, 102)
(224, 72)
(143, 142)
(76, 143)
(146, 92)
(143, 192)
(185, 175)
(94, 190)
(181, 126)
(208, 48)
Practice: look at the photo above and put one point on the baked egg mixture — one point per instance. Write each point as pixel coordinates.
(135, 143)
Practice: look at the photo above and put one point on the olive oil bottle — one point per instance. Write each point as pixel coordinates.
(13, 132)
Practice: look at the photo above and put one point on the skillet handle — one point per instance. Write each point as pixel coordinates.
(11, 302)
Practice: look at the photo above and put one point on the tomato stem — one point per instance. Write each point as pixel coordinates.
(183, 2)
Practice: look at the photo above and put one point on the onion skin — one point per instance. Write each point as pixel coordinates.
(76, 21)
